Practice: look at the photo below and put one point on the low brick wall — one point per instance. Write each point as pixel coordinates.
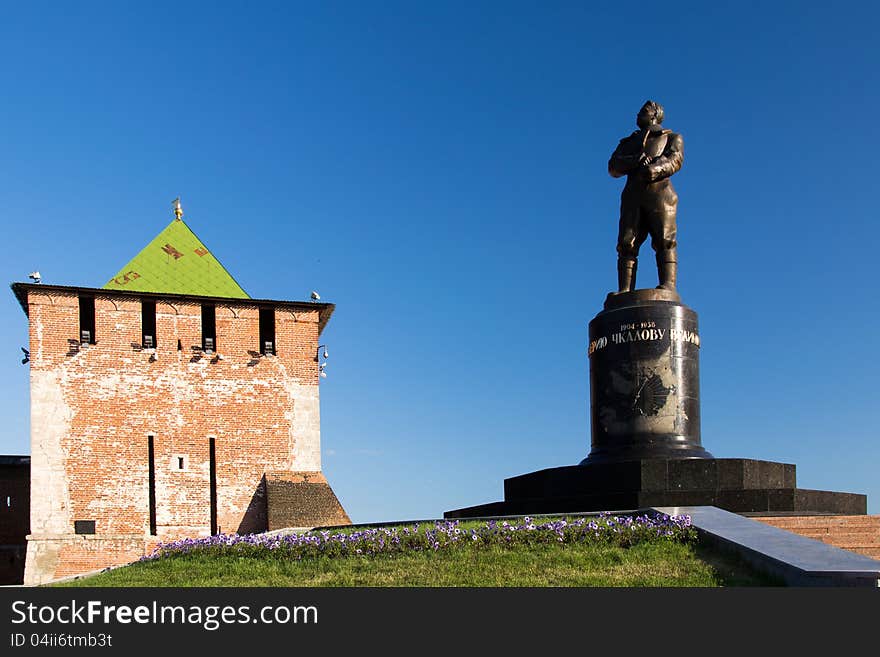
(49, 558)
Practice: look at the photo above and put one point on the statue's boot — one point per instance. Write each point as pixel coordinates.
(626, 274)
(666, 270)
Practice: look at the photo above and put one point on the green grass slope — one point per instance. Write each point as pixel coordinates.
(648, 564)
(602, 552)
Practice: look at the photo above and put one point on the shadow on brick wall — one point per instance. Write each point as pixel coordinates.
(256, 516)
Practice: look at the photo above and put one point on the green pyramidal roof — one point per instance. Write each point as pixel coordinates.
(176, 262)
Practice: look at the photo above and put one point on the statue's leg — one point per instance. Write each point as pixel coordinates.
(629, 239)
(626, 274)
(663, 241)
(667, 268)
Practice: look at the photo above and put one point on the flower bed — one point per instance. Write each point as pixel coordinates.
(605, 528)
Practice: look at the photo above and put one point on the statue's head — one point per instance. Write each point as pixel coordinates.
(650, 114)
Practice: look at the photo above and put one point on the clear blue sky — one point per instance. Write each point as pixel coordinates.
(438, 170)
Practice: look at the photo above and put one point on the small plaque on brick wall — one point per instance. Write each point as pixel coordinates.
(84, 526)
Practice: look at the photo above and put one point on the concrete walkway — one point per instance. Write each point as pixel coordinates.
(798, 560)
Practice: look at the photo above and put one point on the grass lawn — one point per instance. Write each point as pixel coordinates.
(659, 563)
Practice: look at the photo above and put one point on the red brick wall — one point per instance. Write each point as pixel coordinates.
(110, 396)
(83, 554)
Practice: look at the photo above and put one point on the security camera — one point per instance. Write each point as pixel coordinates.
(35, 276)
(315, 296)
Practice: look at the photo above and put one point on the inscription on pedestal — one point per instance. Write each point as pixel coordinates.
(644, 331)
(644, 382)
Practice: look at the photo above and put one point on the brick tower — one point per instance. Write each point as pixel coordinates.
(169, 404)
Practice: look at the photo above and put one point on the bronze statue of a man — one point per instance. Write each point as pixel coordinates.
(648, 157)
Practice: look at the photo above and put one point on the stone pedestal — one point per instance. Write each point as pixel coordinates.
(645, 426)
(644, 379)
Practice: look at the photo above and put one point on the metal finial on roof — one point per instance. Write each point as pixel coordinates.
(178, 209)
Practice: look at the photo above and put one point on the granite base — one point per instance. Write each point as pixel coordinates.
(737, 485)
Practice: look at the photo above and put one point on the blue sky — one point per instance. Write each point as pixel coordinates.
(438, 170)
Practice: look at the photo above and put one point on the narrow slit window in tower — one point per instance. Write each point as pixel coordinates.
(212, 454)
(151, 458)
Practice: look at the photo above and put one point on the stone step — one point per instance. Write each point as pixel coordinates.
(845, 527)
(873, 552)
(824, 531)
(848, 540)
(859, 534)
(821, 521)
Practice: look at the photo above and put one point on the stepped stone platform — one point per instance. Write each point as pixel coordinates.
(737, 485)
(859, 534)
